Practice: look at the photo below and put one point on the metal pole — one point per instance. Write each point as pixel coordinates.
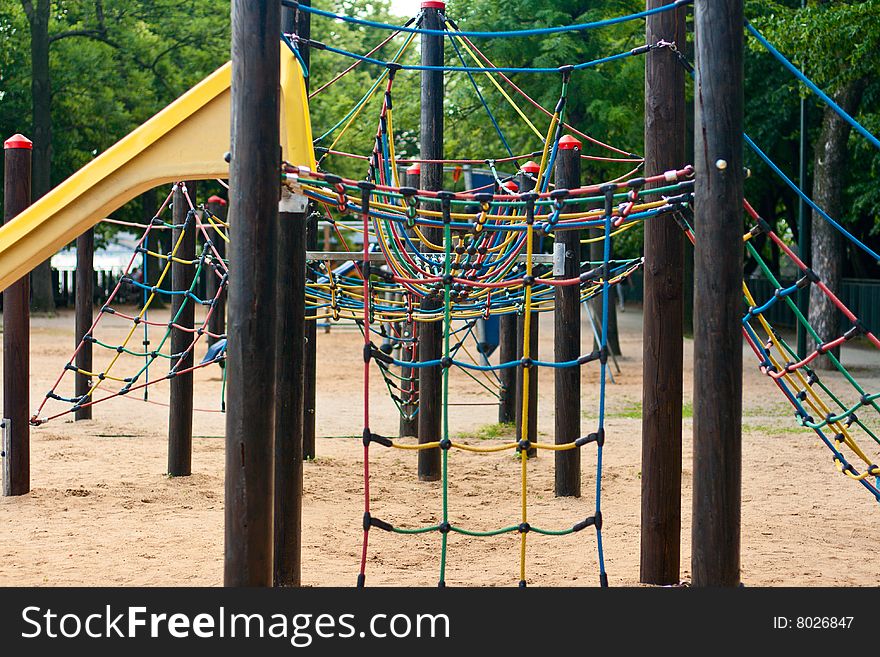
(16, 448)
(718, 271)
(663, 332)
(253, 215)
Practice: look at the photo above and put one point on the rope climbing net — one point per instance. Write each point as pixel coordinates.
(457, 258)
(112, 379)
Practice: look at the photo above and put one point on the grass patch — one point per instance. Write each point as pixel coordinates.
(493, 431)
(633, 411)
(775, 429)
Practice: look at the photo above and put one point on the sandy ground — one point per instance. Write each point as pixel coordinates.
(103, 512)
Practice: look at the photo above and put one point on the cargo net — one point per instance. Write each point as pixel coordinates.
(143, 357)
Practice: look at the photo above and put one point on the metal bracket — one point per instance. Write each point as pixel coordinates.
(292, 200)
(558, 259)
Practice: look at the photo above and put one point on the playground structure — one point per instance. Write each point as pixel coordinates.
(447, 257)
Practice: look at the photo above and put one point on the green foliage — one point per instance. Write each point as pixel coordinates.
(834, 43)
(115, 62)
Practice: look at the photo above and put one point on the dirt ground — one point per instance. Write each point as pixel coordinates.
(103, 512)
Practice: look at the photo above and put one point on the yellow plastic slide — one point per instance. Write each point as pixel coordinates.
(186, 141)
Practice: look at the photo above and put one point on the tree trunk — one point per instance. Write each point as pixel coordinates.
(42, 295)
(827, 247)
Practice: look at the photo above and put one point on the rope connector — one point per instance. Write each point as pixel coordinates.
(445, 444)
(370, 521)
(583, 524)
(370, 437)
(524, 528)
(524, 445)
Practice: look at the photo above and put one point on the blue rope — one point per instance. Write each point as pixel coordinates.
(812, 87)
(363, 100)
(579, 27)
(479, 69)
(852, 238)
(297, 54)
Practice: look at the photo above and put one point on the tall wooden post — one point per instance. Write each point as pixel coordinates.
(290, 299)
(507, 354)
(180, 411)
(567, 330)
(16, 447)
(85, 298)
(217, 321)
(527, 184)
(507, 335)
(409, 392)
(663, 310)
(253, 212)
(718, 271)
(304, 30)
(430, 333)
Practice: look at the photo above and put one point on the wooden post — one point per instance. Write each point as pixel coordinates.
(217, 321)
(311, 356)
(85, 295)
(663, 310)
(180, 411)
(16, 447)
(567, 330)
(718, 271)
(409, 392)
(507, 335)
(506, 354)
(430, 333)
(304, 30)
(290, 299)
(527, 184)
(253, 213)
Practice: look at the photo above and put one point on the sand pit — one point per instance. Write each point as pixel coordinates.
(103, 512)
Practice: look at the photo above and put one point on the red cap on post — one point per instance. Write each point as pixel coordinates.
(569, 143)
(216, 199)
(414, 170)
(531, 166)
(18, 141)
(510, 186)
(433, 4)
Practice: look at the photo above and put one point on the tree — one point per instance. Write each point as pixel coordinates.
(814, 36)
(42, 296)
(97, 69)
